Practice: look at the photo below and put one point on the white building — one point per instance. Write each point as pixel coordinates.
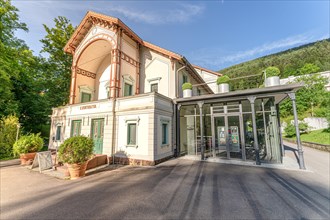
(121, 92)
(126, 94)
(291, 79)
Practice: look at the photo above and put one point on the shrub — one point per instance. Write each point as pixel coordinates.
(223, 79)
(28, 144)
(8, 131)
(76, 149)
(272, 71)
(186, 86)
(290, 130)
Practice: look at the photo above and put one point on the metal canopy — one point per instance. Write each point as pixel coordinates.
(279, 92)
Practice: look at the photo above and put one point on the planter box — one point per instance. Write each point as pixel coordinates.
(272, 81)
(187, 93)
(223, 88)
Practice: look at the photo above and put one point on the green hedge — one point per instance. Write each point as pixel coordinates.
(223, 79)
(186, 86)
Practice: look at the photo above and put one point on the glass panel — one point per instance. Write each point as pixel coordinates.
(234, 139)
(184, 78)
(220, 137)
(102, 128)
(58, 133)
(261, 134)
(189, 129)
(154, 87)
(128, 89)
(233, 106)
(76, 126)
(248, 134)
(85, 97)
(131, 134)
(246, 106)
(207, 130)
(164, 134)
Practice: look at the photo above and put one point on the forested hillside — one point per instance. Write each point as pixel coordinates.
(291, 62)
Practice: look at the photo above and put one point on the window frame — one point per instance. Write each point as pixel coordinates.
(128, 122)
(58, 133)
(165, 122)
(153, 84)
(184, 78)
(129, 134)
(127, 79)
(82, 96)
(72, 127)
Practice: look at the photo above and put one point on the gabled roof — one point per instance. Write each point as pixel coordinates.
(108, 22)
(87, 23)
(206, 70)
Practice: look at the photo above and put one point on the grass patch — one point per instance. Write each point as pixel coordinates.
(318, 136)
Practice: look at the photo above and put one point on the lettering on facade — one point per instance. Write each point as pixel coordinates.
(87, 107)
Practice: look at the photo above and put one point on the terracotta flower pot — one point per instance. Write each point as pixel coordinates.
(27, 159)
(77, 170)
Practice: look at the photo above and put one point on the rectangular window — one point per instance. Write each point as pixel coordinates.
(184, 79)
(199, 92)
(85, 97)
(75, 128)
(154, 87)
(58, 133)
(131, 134)
(164, 133)
(128, 89)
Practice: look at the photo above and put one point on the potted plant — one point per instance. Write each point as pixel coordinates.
(272, 76)
(222, 83)
(187, 90)
(76, 151)
(27, 146)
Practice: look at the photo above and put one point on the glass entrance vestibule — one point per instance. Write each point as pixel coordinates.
(241, 125)
(228, 130)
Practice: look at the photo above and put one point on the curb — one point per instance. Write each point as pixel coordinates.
(321, 147)
(8, 163)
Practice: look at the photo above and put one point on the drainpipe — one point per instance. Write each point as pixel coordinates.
(114, 98)
(177, 80)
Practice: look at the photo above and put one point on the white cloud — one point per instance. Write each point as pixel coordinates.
(180, 14)
(211, 57)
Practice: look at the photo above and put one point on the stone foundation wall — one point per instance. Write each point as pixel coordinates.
(138, 162)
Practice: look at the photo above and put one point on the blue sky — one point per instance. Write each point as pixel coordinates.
(211, 34)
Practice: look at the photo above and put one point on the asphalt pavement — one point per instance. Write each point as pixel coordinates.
(176, 189)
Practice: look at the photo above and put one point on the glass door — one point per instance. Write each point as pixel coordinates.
(235, 137)
(228, 136)
(219, 139)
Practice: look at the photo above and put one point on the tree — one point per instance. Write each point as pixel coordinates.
(9, 23)
(10, 48)
(8, 132)
(312, 95)
(58, 65)
(309, 68)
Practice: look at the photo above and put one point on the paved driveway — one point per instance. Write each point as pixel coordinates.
(176, 189)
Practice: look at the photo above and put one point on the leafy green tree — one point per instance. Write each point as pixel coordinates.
(58, 65)
(313, 94)
(309, 68)
(10, 53)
